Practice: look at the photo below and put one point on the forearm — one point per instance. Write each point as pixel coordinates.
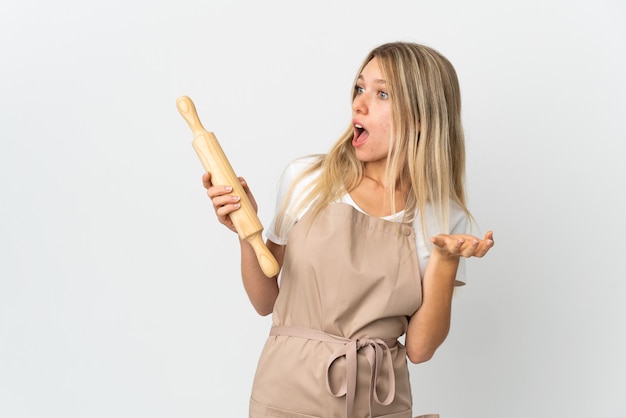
(262, 290)
(429, 326)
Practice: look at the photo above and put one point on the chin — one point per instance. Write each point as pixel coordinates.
(368, 158)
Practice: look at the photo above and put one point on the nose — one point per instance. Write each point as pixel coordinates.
(360, 104)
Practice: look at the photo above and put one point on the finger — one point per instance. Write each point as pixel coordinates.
(485, 245)
(488, 245)
(489, 238)
(223, 200)
(215, 191)
(225, 210)
(443, 240)
(469, 248)
(450, 244)
(206, 180)
(483, 248)
(439, 241)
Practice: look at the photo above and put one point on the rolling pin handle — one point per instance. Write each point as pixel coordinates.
(266, 259)
(188, 111)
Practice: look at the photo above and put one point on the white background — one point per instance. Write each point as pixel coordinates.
(119, 292)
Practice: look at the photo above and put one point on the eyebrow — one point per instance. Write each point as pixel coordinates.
(375, 81)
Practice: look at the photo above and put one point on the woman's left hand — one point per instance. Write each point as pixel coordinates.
(462, 245)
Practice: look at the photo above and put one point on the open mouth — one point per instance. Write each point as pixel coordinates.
(360, 135)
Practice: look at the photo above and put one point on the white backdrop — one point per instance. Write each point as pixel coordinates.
(119, 292)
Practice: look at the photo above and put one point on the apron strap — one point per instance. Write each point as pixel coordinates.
(376, 352)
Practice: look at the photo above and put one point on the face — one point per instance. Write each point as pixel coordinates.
(371, 115)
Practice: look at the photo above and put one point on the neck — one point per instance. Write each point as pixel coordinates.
(377, 172)
(376, 196)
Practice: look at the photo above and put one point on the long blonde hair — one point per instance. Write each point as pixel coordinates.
(427, 139)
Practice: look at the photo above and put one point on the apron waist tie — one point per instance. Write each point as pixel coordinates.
(375, 351)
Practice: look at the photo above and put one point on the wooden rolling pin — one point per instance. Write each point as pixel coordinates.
(214, 160)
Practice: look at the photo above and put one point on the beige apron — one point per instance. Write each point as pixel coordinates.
(348, 285)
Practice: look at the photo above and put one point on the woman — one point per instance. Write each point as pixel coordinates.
(357, 271)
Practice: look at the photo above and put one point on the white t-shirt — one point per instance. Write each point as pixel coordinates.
(457, 222)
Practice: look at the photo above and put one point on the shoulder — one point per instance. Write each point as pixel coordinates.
(295, 179)
(297, 170)
(300, 165)
(456, 221)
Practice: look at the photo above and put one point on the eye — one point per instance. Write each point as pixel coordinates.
(358, 90)
(383, 95)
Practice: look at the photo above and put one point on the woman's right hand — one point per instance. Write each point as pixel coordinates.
(224, 202)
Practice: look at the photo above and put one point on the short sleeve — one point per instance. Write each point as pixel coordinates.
(289, 175)
(458, 225)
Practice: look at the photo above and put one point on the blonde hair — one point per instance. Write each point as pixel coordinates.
(427, 139)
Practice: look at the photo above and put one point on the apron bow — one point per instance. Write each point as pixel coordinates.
(376, 352)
